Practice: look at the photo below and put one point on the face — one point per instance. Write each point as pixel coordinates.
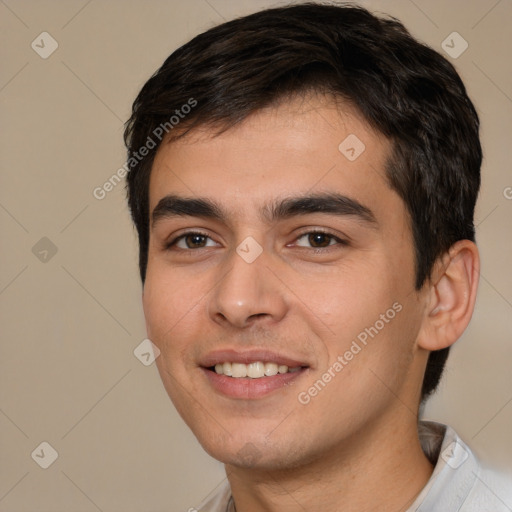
(277, 246)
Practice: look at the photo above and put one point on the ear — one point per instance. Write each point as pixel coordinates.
(451, 296)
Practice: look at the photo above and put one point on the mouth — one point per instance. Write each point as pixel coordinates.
(254, 370)
(251, 375)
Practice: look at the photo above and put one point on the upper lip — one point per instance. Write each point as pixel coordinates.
(249, 356)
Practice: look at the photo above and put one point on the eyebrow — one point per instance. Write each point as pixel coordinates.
(172, 206)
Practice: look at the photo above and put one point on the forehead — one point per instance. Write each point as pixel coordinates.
(299, 147)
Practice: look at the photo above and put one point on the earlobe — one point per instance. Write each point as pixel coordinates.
(452, 296)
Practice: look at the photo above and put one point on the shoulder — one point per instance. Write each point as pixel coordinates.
(459, 482)
(491, 492)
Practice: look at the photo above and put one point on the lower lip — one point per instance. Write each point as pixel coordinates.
(247, 388)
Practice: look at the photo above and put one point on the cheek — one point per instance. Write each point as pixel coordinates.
(170, 302)
(348, 298)
(369, 315)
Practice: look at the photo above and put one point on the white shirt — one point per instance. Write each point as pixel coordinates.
(458, 483)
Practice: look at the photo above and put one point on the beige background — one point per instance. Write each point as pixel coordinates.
(70, 324)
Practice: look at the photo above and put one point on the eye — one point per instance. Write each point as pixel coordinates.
(318, 240)
(192, 240)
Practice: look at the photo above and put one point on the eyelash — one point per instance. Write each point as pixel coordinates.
(174, 241)
(332, 236)
(339, 241)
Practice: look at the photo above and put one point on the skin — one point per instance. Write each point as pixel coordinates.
(354, 446)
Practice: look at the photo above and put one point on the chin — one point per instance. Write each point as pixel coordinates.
(255, 452)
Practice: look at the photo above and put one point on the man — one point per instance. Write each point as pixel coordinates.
(303, 183)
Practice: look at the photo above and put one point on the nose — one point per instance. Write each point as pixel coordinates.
(248, 293)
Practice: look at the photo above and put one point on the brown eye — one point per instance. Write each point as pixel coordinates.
(192, 240)
(317, 240)
(195, 240)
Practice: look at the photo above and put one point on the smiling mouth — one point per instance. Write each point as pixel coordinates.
(254, 370)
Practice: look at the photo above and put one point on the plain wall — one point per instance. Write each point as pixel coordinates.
(70, 321)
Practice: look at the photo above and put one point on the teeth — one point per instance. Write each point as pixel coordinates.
(254, 370)
(271, 369)
(238, 370)
(226, 367)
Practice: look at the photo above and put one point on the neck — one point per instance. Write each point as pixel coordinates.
(383, 470)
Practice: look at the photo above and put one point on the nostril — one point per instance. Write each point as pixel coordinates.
(256, 316)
